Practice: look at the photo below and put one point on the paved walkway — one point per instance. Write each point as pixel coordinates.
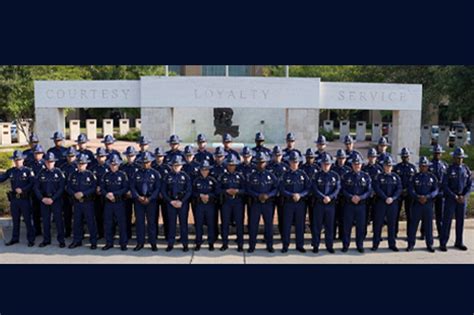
(21, 254)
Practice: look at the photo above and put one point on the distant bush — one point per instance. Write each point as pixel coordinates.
(330, 136)
(130, 136)
(5, 162)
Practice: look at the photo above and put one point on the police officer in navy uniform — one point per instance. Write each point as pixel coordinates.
(49, 189)
(373, 169)
(145, 186)
(202, 154)
(438, 167)
(246, 168)
(457, 186)
(129, 167)
(114, 185)
(351, 153)
(205, 194)
(109, 141)
(144, 143)
(162, 168)
(259, 145)
(326, 185)
(356, 188)
(382, 153)
(21, 182)
(290, 147)
(320, 149)
(33, 140)
(37, 164)
(341, 169)
(309, 166)
(191, 167)
(277, 167)
(423, 188)
(262, 187)
(231, 187)
(388, 188)
(99, 169)
(58, 150)
(227, 143)
(295, 186)
(176, 190)
(174, 150)
(68, 168)
(405, 170)
(82, 186)
(82, 149)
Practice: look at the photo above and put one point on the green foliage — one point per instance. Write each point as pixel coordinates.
(330, 136)
(132, 135)
(5, 162)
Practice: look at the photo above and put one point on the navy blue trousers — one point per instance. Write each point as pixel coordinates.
(84, 210)
(56, 209)
(294, 212)
(115, 211)
(172, 215)
(22, 208)
(458, 211)
(232, 209)
(323, 215)
(204, 214)
(258, 210)
(423, 213)
(149, 212)
(382, 212)
(353, 213)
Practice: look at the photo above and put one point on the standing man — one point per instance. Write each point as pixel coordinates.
(231, 186)
(29, 153)
(262, 187)
(109, 141)
(37, 165)
(129, 168)
(114, 185)
(388, 188)
(326, 185)
(227, 143)
(145, 187)
(439, 168)
(406, 171)
(246, 168)
(321, 149)
(278, 168)
(341, 169)
(205, 194)
(49, 189)
(202, 154)
(457, 186)
(423, 188)
(174, 150)
(373, 169)
(290, 147)
(350, 152)
(82, 149)
(162, 168)
(191, 167)
(259, 145)
(99, 170)
(382, 153)
(21, 182)
(356, 187)
(58, 150)
(294, 188)
(144, 143)
(82, 186)
(176, 192)
(68, 168)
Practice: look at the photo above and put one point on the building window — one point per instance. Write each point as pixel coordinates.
(213, 70)
(239, 71)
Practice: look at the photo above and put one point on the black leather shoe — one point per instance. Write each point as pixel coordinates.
(211, 247)
(409, 248)
(10, 243)
(154, 248)
(284, 250)
(345, 249)
(94, 246)
(240, 248)
(169, 248)
(251, 250)
(138, 247)
(430, 249)
(185, 248)
(394, 248)
(107, 247)
(74, 245)
(62, 245)
(331, 250)
(224, 247)
(361, 250)
(270, 249)
(197, 248)
(301, 250)
(461, 247)
(123, 248)
(443, 248)
(374, 248)
(44, 244)
(315, 250)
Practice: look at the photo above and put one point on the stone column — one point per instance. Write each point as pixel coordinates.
(6, 133)
(157, 124)
(74, 129)
(48, 120)
(124, 126)
(344, 129)
(23, 137)
(138, 123)
(91, 129)
(107, 127)
(376, 131)
(304, 123)
(406, 133)
(361, 130)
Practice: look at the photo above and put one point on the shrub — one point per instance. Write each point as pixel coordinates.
(132, 135)
(330, 136)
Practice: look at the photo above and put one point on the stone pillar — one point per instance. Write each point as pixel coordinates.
(6, 133)
(74, 129)
(157, 124)
(443, 136)
(107, 127)
(461, 137)
(344, 129)
(361, 128)
(124, 126)
(376, 131)
(91, 128)
(390, 133)
(328, 125)
(48, 120)
(426, 135)
(23, 137)
(304, 123)
(406, 132)
(138, 123)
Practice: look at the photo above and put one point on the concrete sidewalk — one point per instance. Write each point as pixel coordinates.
(21, 254)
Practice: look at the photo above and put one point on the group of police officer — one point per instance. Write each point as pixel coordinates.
(73, 185)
